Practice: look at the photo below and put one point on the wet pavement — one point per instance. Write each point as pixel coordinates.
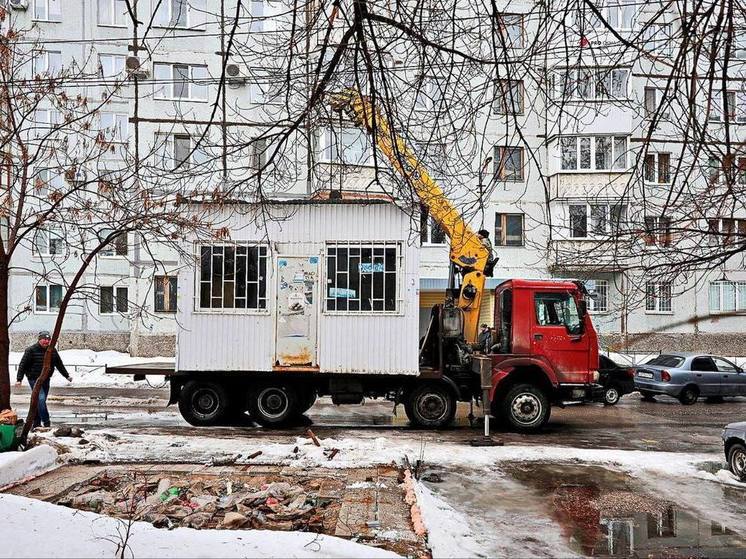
(663, 425)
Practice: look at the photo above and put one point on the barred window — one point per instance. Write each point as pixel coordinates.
(658, 297)
(233, 277)
(599, 295)
(727, 296)
(363, 277)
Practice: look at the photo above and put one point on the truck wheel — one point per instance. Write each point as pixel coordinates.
(611, 395)
(203, 403)
(737, 460)
(525, 407)
(273, 404)
(306, 402)
(431, 406)
(689, 395)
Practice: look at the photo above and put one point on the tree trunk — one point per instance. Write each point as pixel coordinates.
(4, 338)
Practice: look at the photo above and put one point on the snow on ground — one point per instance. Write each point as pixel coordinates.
(15, 466)
(52, 531)
(87, 368)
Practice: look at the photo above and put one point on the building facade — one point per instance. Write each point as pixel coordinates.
(562, 164)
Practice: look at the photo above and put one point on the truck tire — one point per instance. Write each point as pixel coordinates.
(525, 408)
(203, 403)
(612, 395)
(689, 395)
(273, 404)
(305, 402)
(430, 405)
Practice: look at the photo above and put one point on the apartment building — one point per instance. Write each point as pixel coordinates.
(557, 164)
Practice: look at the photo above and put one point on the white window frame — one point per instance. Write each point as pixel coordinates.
(615, 17)
(46, 62)
(167, 71)
(428, 95)
(499, 170)
(428, 226)
(194, 18)
(113, 127)
(45, 120)
(570, 82)
(662, 112)
(591, 232)
(48, 234)
(263, 302)
(652, 39)
(118, 17)
(510, 43)
(594, 140)
(508, 101)
(657, 231)
(662, 293)
(656, 167)
(47, 287)
(114, 249)
(598, 305)
(47, 10)
(116, 61)
(398, 273)
(721, 290)
(330, 139)
(720, 236)
(165, 145)
(118, 293)
(717, 112)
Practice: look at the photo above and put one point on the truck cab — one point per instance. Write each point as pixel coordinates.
(545, 350)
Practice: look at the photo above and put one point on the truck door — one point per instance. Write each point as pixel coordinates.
(297, 311)
(557, 334)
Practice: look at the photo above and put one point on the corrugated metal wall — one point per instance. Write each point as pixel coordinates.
(245, 340)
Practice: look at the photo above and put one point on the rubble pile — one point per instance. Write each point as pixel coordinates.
(207, 501)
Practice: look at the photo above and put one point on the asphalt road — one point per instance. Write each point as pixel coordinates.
(631, 425)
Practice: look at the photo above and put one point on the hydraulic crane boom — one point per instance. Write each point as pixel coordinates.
(467, 251)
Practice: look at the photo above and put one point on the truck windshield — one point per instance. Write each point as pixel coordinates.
(558, 309)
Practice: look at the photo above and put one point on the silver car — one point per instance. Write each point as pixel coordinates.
(687, 376)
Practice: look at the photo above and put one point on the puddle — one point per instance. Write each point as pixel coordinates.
(604, 513)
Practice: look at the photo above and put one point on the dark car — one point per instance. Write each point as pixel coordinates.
(734, 444)
(616, 380)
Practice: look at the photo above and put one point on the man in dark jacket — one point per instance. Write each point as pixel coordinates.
(484, 341)
(31, 365)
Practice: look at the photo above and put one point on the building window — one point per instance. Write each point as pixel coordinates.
(511, 30)
(49, 241)
(113, 127)
(599, 295)
(110, 65)
(113, 299)
(596, 220)
(508, 163)
(658, 297)
(428, 95)
(48, 10)
(727, 296)
(46, 62)
(431, 233)
(657, 168)
(233, 277)
(509, 97)
(719, 112)
(658, 39)
(258, 157)
(263, 88)
(178, 151)
(48, 298)
(113, 12)
(591, 84)
(508, 229)
(165, 290)
(348, 145)
(172, 13)
(726, 231)
(657, 105)
(258, 13)
(362, 277)
(116, 246)
(180, 81)
(595, 153)
(621, 14)
(657, 231)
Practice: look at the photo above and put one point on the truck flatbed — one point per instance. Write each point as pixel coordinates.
(141, 370)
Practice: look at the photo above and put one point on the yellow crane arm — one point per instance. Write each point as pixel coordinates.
(467, 250)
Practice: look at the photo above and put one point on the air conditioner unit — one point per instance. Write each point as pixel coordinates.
(234, 73)
(18, 4)
(136, 68)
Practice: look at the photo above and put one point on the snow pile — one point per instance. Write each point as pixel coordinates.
(51, 531)
(15, 466)
(88, 367)
(722, 476)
